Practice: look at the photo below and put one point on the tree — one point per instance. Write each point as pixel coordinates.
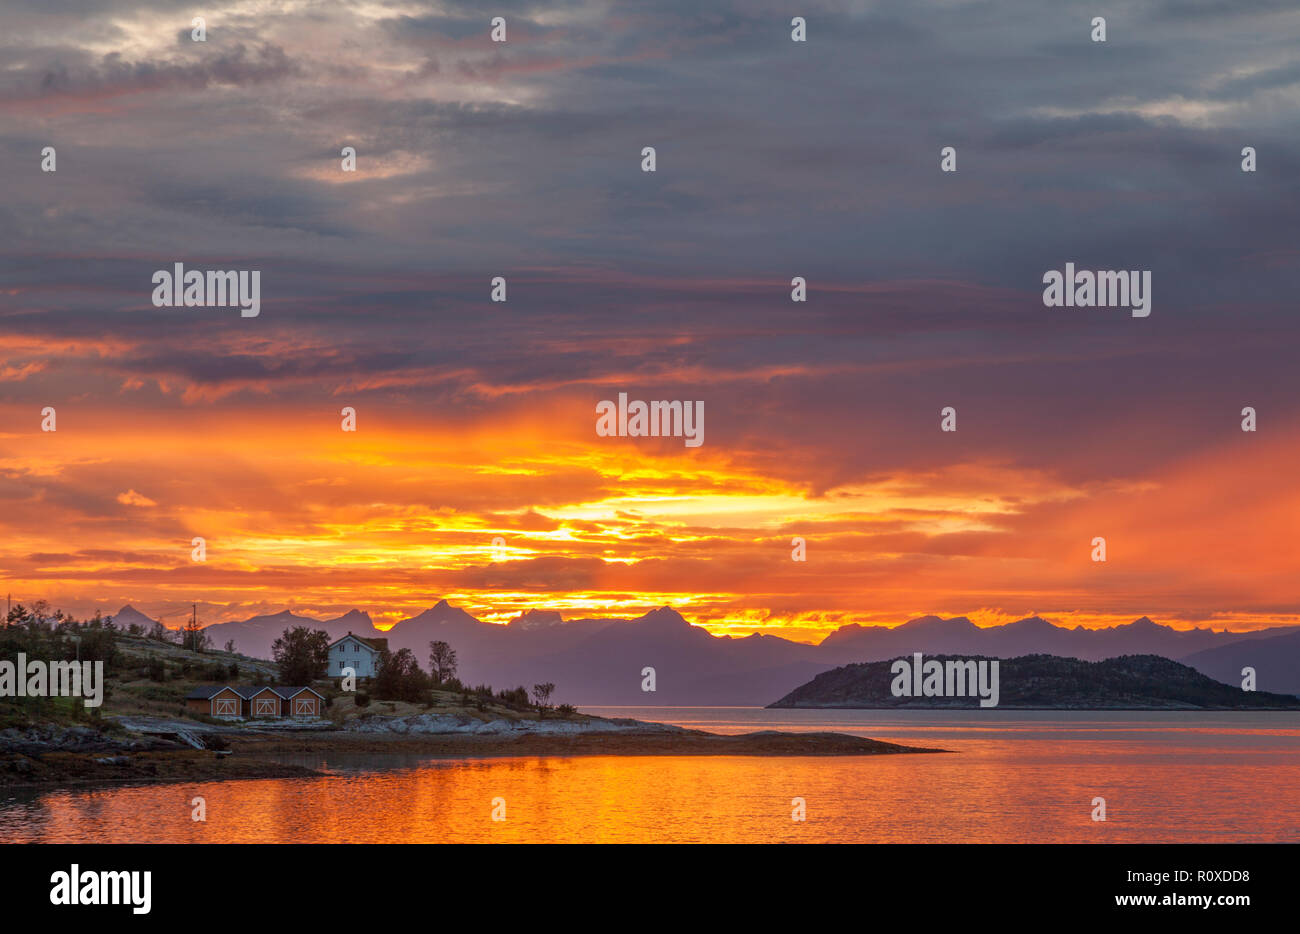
(230, 646)
(193, 638)
(514, 697)
(442, 661)
(541, 696)
(400, 678)
(98, 642)
(302, 654)
(40, 615)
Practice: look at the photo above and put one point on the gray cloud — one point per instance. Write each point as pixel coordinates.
(775, 159)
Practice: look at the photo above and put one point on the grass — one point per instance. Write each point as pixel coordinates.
(133, 692)
(130, 691)
(344, 707)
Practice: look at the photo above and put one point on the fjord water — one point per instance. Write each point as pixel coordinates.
(1013, 776)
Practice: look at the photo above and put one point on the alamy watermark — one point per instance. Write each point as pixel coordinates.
(1101, 289)
(36, 678)
(953, 678)
(80, 886)
(218, 289)
(637, 419)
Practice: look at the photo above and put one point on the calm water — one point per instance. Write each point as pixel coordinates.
(1015, 776)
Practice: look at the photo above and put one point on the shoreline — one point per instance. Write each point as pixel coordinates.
(258, 755)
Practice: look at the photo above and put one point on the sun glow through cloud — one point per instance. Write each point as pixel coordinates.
(476, 418)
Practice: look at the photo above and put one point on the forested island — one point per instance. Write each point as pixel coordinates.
(1046, 682)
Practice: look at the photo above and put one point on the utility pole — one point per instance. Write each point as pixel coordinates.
(190, 637)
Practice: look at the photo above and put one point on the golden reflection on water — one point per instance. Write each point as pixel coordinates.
(1020, 784)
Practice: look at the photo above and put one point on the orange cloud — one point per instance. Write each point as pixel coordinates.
(390, 518)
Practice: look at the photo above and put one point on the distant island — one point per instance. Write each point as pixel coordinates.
(1046, 682)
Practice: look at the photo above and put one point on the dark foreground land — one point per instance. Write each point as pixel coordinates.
(261, 755)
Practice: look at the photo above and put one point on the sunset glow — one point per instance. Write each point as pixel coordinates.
(403, 513)
(476, 419)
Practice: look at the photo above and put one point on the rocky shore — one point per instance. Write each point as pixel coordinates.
(156, 750)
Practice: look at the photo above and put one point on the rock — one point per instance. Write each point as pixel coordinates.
(461, 723)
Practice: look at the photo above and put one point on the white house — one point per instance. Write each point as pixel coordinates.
(361, 655)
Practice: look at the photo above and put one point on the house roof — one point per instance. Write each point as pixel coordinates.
(290, 692)
(247, 691)
(375, 645)
(203, 692)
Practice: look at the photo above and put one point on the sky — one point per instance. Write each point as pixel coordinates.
(774, 159)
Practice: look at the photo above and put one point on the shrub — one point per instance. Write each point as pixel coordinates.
(302, 654)
(515, 697)
(400, 678)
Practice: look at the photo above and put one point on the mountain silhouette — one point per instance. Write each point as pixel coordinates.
(1030, 636)
(1276, 660)
(130, 616)
(255, 635)
(604, 661)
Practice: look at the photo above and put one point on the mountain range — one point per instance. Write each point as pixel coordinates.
(600, 661)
